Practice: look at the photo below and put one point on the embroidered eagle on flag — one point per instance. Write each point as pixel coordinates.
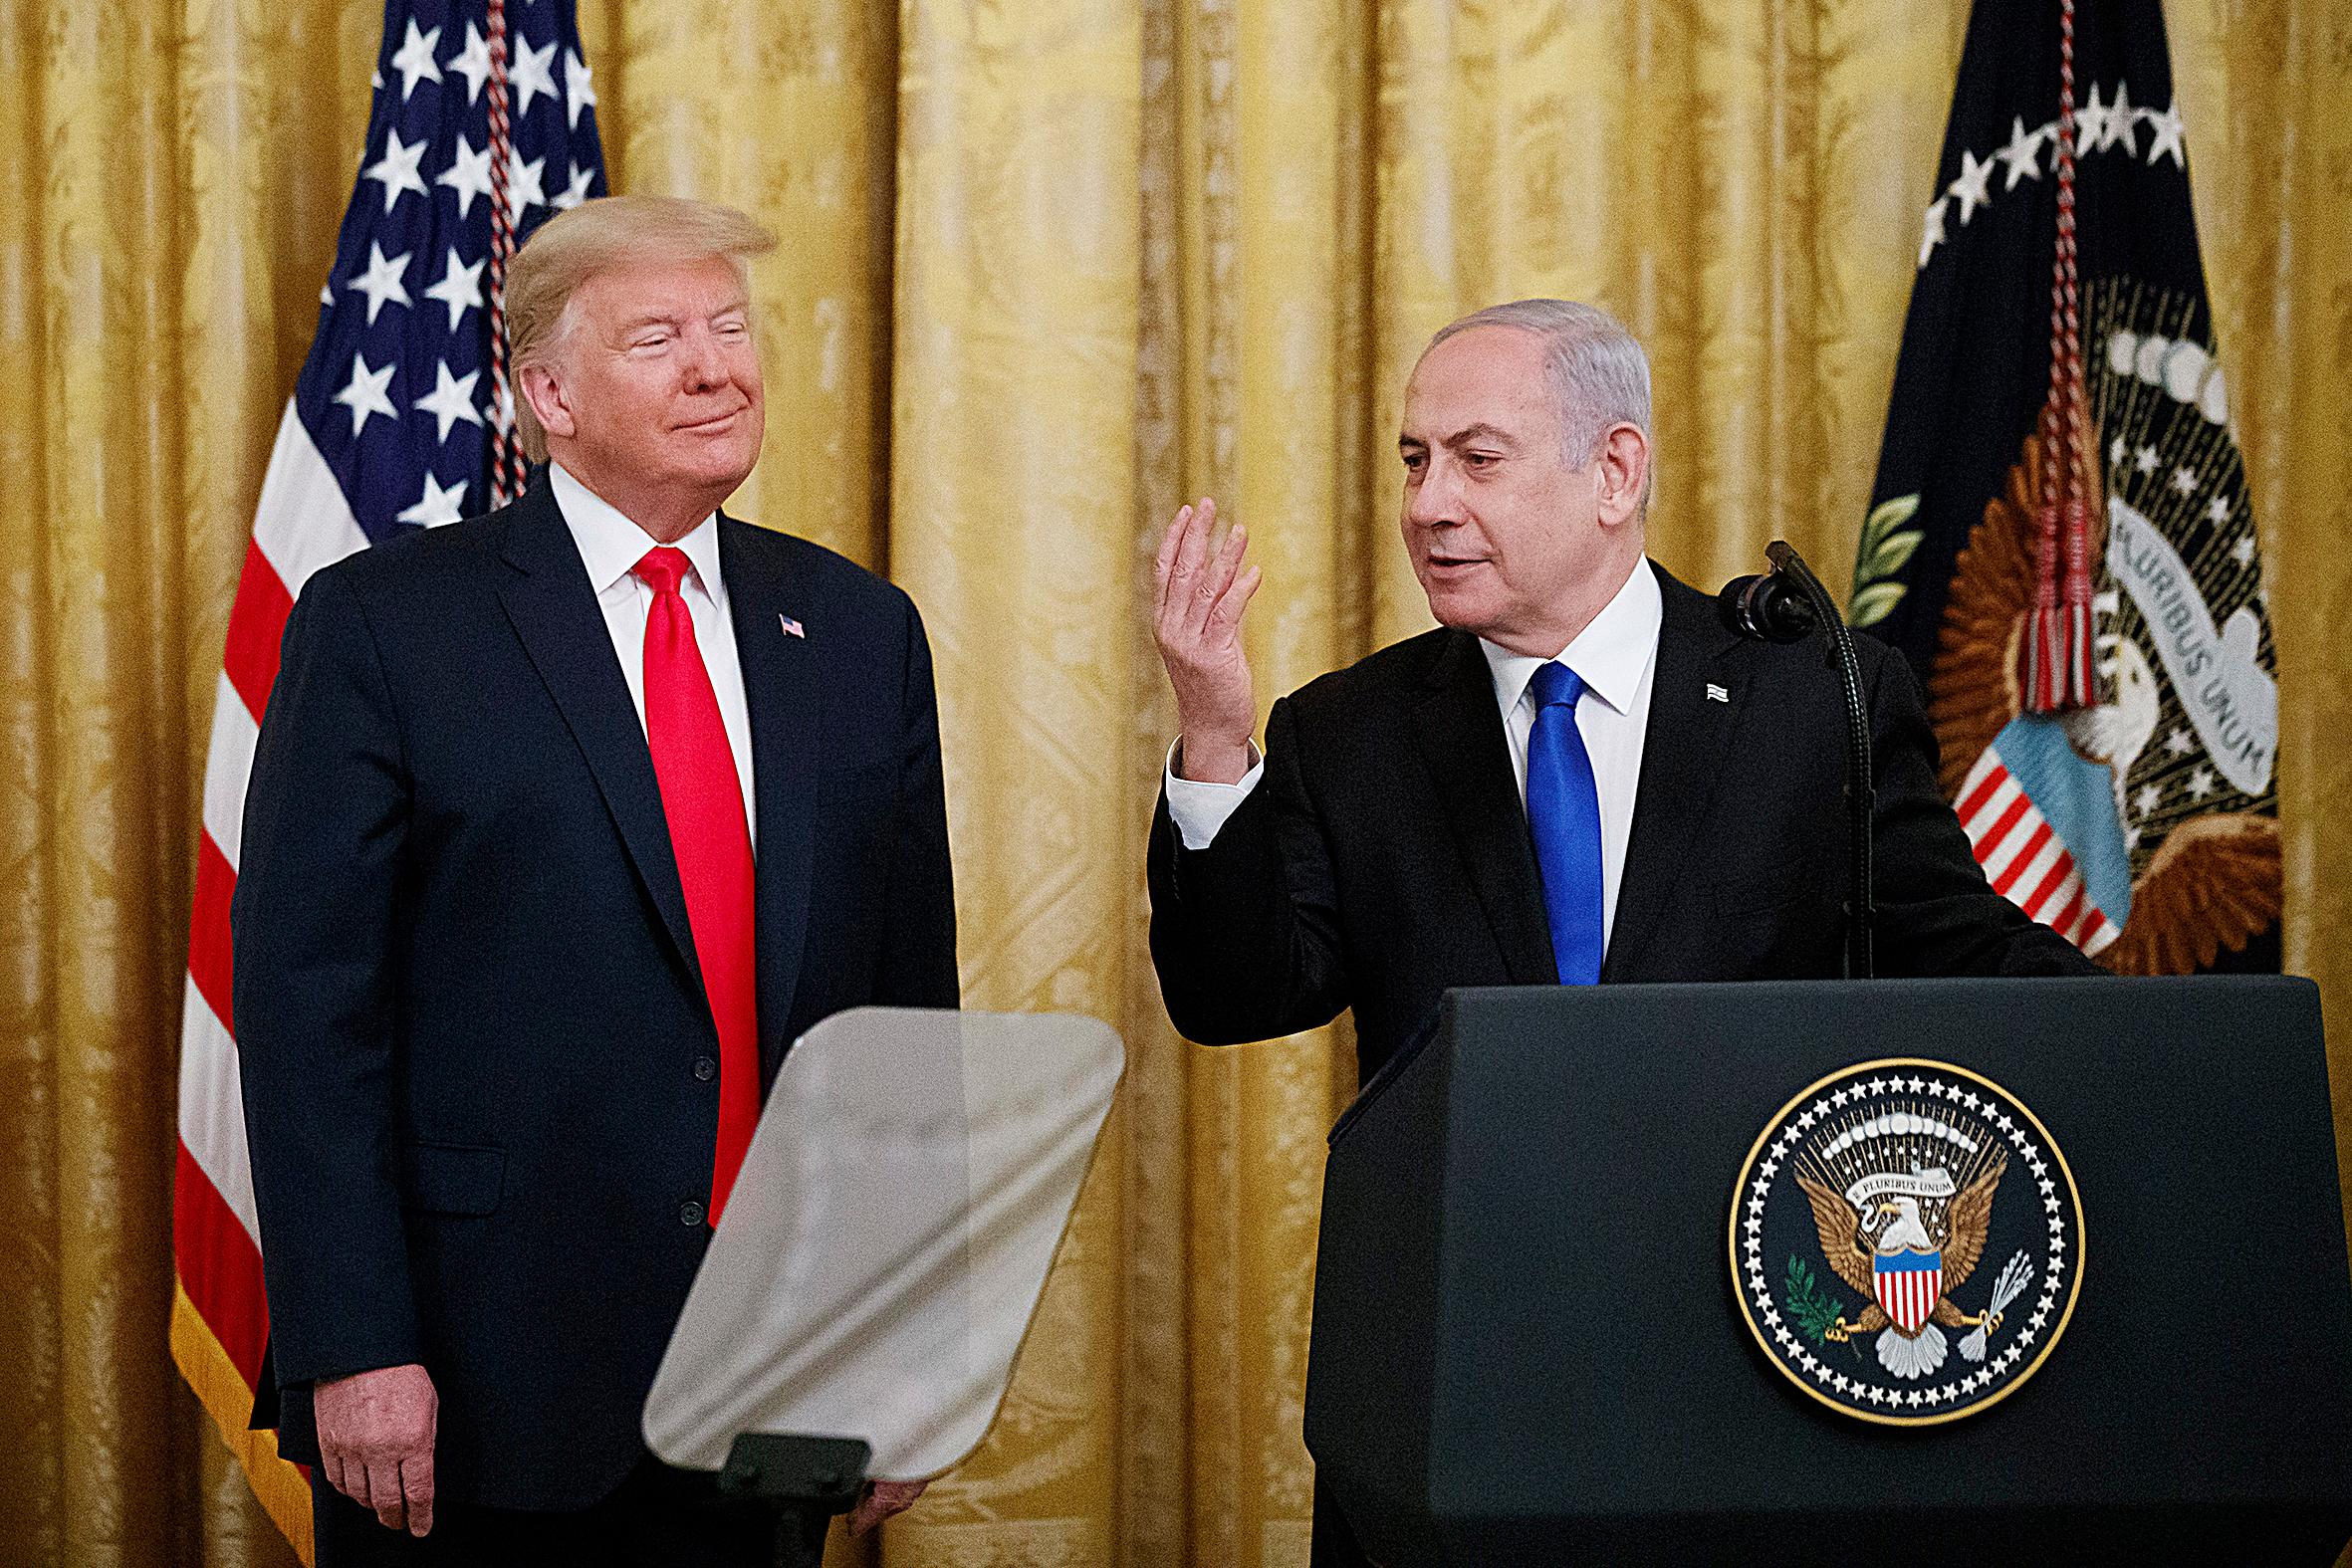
(1905, 1239)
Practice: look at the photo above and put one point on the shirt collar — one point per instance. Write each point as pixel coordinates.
(611, 546)
(1608, 655)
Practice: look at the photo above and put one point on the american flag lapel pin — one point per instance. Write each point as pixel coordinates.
(1716, 692)
(792, 628)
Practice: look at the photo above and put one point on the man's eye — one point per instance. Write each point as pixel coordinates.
(731, 328)
(1479, 459)
(1414, 462)
(651, 340)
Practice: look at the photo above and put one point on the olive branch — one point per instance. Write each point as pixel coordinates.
(1886, 544)
(1814, 1308)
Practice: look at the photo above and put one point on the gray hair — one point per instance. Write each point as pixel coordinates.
(1599, 375)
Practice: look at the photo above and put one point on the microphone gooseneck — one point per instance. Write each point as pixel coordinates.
(1783, 605)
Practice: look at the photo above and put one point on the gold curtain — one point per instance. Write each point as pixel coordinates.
(1050, 267)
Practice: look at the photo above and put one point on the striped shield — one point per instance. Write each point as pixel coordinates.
(1908, 1286)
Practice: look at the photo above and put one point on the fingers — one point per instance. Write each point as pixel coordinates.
(1171, 541)
(881, 1500)
(1216, 576)
(417, 1489)
(1226, 618)
(1182, 552)
(375, 1442)
(383, 1493)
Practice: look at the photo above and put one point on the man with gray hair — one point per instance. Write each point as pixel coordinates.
(1582, 776)
(564, 822)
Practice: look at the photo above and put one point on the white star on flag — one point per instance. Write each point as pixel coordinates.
(2023, 154)
(415, 61)
(2179, 744)
(2163, 138)
(2121, 126)
(364, 394)
(523, 181)
(395, 171)
(1935, 231)
(2185, 481)
(2200, 783)
(2243, 550)
(534, 74)
(2090, 122)
(452, 399)
(2146, 799)
(2216, 510)
(460, 289)
(473, 62)
(468, 175)
(382, 281)
(580, 87)
(576, 192)
(1969, 186)
(436, 507)
(2145, 460)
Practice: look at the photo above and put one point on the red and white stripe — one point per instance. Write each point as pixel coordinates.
(2024, 857)
(1909, 1295)
(221, 1319)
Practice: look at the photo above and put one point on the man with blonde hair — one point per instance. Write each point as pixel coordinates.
(1581, 777)
(564, 822)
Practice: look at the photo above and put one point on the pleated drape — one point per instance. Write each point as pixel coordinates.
(1050, 268)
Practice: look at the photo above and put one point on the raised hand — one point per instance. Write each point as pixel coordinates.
(1198, 625)
(376, 1433)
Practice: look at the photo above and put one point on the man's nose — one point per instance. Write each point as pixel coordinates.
(1432, 503)
(700, 365)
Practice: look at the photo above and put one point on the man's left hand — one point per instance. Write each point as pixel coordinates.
(881, 1500)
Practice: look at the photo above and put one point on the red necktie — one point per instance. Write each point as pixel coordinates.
(703, 799)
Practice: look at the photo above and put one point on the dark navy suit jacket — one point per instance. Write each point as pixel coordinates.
(1384, 856)
(479, 1067)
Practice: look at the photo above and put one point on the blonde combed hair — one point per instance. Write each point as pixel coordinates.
(572, 246)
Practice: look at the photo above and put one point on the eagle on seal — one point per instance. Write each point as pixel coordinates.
(1918, 1227)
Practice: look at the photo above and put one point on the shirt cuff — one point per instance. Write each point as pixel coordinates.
(1200, 809)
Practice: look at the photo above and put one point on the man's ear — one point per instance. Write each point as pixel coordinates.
(1621, 472)
(547, 397)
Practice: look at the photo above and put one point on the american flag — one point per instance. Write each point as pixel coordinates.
(483, 125)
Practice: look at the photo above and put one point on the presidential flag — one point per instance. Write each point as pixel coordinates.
(483, 123)
(2059, 536)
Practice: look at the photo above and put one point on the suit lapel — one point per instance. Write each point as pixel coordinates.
(553, 611)
(782, 688)
(1682, 760)
(1460, 734)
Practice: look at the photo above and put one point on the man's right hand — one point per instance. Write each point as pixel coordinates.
(1198, 624)
(375, 1435)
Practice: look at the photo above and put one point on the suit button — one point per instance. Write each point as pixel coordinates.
(705, 1069)
(689, 1213)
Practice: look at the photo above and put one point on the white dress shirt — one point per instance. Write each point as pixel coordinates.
(1615, 656)
(611, 546)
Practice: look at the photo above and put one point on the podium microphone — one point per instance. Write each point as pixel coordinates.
(1784, 605)
(1766, 606)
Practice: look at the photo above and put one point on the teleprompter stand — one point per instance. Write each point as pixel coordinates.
(806, 1480)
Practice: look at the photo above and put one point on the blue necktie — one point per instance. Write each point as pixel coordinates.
(1563, 814)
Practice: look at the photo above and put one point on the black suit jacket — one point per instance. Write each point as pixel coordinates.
(1385, 857)
(478, 1062)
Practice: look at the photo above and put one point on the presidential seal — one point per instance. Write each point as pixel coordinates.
(1906, 1241)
